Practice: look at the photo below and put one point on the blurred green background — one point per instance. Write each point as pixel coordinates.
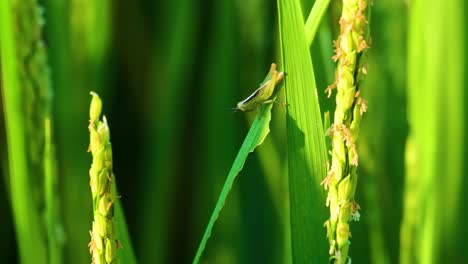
(168, 70)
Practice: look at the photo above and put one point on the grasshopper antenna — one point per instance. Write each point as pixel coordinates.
(233, 109)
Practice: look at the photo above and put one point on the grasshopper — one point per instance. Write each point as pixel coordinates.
(265, 94)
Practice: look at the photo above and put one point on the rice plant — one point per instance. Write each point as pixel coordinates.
(211, 161)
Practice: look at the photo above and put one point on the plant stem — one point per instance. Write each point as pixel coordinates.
(32, 248)
(55, 232)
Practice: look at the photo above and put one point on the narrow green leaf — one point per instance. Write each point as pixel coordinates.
(126, 253)
(257, 133)
(314, 19)
(306, 141)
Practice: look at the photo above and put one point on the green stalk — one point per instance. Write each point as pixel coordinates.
(55, 232)
(32, 247)
(168, 107)
(103, 245)
(314, 19)
(53, 198)
(341, 180)
(455, 80)
(435, 146)
(383, 134)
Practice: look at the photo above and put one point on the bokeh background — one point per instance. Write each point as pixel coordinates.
(168, 71)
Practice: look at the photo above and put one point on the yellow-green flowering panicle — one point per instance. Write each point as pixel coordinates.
(104, 243)
(341, 179)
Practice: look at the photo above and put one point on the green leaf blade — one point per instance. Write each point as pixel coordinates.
(126, 253)
(313, 21)
(257, 134)
(306, 142)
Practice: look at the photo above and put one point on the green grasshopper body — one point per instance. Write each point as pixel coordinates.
(263, 95)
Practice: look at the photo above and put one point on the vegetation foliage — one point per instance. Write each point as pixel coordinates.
(168, 70)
